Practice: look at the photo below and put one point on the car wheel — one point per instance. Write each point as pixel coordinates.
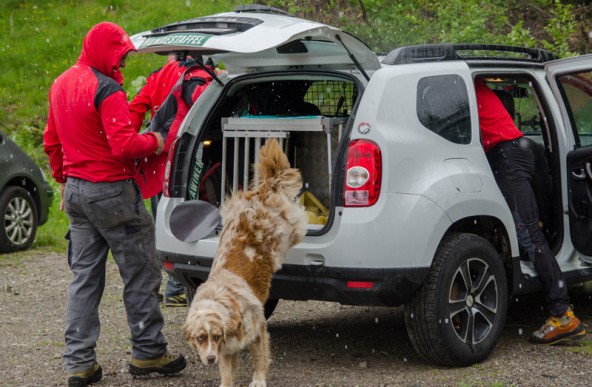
(269, 307)
(459, 313)
(19, 225)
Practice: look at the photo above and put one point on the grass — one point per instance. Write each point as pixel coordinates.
(583, 346)
(40, 39)
(51, 236)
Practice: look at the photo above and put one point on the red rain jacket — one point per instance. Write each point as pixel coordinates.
(158, 86)
(168, 119)
(89, 133)
(494, 120)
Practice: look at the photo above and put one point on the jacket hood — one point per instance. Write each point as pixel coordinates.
(103, 47)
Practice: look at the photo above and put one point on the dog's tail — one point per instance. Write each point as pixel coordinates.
(274, 170)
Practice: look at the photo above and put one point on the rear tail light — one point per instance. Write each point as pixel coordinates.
(169, 170)
(167, 265)
(359, 284)
(363, 174)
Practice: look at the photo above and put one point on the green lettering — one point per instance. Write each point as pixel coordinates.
(188, 39)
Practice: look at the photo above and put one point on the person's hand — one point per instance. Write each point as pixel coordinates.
(62, 188)
(160, 143)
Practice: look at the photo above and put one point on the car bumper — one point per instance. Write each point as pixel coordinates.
(349, 286)
(45, 199)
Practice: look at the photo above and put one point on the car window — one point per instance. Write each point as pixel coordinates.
(519, 96)
(443, 107)
(527, 117)
(329, 98)
(333, 98)
(576, 89)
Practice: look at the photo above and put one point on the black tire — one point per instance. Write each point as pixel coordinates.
(457, 316)
(19, 219)
(269, 307)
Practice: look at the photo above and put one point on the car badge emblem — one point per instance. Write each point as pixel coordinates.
(364, 128)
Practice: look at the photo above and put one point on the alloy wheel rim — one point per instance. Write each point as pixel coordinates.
(18, 221)
(473, 301)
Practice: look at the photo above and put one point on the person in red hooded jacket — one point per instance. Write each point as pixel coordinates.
(169, 93)
(157, 87)
(92, 149)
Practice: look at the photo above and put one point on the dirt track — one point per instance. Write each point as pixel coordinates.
(313, 343)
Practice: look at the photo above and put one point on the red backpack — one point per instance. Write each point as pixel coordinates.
(167, 120)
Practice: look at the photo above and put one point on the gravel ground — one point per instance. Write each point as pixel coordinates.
(313, 343)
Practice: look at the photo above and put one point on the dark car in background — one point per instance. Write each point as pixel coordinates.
(25, 197)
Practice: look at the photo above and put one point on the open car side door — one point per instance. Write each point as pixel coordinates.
(571, 82)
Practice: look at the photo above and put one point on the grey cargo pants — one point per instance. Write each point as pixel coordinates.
(111, 216)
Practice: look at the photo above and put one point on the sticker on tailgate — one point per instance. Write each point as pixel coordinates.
(185, 39)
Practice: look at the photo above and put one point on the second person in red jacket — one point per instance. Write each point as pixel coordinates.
(159, 86)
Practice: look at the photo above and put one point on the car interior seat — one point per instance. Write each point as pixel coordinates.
(508, 101)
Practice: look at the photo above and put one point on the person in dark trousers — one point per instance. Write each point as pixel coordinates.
(150, 97)
(512, 159)
(92, 148)
(159, 85)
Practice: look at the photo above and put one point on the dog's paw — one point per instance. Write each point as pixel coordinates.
(258, 383)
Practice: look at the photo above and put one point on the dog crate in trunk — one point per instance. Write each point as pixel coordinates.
(307, 113)
(309, 141)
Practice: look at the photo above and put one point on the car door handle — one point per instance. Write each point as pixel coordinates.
(583, 173)
(578, 174)
(589, 170)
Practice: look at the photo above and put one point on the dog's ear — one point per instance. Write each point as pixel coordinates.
(188, 336)
(233, 328)
(235, 320)
(234, 324)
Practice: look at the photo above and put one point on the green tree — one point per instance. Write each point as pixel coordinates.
(559, 26)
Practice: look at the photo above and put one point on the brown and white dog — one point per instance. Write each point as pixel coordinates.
(260, 227)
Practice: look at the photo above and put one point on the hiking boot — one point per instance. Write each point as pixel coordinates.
(178, 300)
(166, 364)
(557, 329)
(84, 378)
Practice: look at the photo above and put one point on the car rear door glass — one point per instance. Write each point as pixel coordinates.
(443, 107)
(577, 91)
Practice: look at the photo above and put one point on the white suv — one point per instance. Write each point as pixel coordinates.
(403, 207)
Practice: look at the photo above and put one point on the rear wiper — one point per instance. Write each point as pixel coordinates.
(209, 67)
(353, 58)
(181, 56)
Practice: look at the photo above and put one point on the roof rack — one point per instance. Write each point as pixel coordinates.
(446, 52)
